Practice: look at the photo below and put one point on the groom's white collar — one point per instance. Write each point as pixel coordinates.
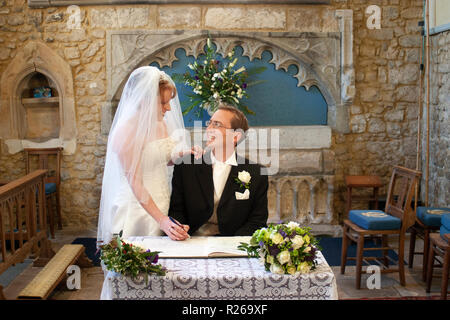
(230, 161)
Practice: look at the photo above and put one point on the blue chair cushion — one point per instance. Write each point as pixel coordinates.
(443, 231)
(374, 220)
(445, 220)
(431, 216)
(50, 188)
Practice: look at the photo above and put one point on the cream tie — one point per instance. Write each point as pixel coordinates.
(220, 177)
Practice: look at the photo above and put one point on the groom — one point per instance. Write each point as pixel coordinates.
(205, 194)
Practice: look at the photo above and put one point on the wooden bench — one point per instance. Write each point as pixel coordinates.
(54, 271)
(23, 222)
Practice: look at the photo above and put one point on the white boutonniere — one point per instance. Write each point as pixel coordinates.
(243, 180)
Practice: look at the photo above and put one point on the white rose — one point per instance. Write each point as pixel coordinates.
(216, 95)
(284, 257)
(297, 242)
(274, 268)
(303, 267)
(291, 269)
(244, 176)
(293, 225)
(276, 238)
(307, 249)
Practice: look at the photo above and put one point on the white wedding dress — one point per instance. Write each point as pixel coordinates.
(129, 215)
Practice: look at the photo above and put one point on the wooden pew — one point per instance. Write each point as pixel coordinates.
(23, 219)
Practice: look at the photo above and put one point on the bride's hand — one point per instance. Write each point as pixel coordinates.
(174, 231)
(197, 151)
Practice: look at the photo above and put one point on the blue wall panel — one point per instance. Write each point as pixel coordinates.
(276, 102)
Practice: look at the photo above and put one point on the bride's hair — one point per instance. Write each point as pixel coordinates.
(165, 83)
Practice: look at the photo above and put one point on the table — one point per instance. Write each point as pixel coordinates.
(223, 279)
(362, 182)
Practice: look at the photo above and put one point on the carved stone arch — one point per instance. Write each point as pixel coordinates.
(317, 57)
(287, 200)
(37, 57)
(303, 200)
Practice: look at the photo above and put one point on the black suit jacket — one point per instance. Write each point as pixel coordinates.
(192, 199)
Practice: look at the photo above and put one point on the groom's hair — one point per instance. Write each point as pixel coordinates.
(239, 120)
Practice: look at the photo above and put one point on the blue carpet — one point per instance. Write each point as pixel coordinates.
(90, 245)
(332, 248)
(12, 272)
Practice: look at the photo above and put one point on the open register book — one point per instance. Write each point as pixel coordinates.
(195, 247)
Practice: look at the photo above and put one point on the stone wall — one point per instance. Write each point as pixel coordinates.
(382, 118)
(439, 172)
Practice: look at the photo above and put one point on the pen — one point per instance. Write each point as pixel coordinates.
(178, 224)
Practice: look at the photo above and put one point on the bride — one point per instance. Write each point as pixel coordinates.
(146, 137)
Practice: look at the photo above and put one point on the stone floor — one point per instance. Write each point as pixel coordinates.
(92, 278)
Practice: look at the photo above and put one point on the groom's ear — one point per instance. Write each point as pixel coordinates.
(239, 135)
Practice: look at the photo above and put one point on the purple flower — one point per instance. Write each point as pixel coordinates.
(274, 250)
(261, 244)
(244, 85)
(152, 259)
(284, 234)
(196, 78)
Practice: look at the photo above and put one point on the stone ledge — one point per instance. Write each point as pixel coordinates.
(290, 137)
(17, 145)
(59, 3)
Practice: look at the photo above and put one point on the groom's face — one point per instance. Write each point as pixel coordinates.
(220, 134)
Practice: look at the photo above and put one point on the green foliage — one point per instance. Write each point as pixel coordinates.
(129, 260)
(214, 82)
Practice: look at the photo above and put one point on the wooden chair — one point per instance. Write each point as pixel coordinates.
(428, 220)
(52, 182)
(397, 217)
(439, 245)
(371, 182)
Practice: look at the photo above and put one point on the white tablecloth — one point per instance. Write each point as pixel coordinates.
(221, 279)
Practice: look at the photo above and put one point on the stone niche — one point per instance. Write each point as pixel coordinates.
(302, 189)
(37, 122)
(39, 116)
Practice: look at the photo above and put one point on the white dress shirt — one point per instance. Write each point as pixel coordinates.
(221, 171)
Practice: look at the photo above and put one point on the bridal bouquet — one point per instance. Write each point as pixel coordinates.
(129, 260)
(283, 248)
(213, 81)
